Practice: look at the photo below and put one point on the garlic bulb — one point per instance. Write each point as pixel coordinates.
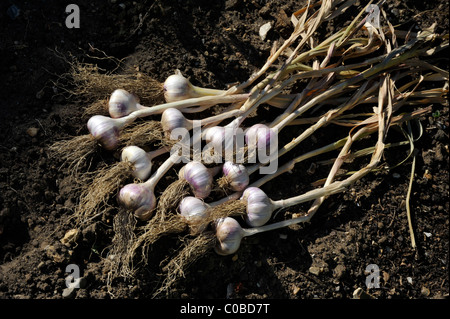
(259, 206)
(236, 176)
(221, 138)
(105, 130)
(199, 177)
(122, 103)
(215, 136)
(172, 119)
(138, 198)
(229, 235)
(261, 138)
(177, 87)
(140, 160)
(194, 210)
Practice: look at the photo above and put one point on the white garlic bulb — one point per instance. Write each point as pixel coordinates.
(236, 176)
(195, 211)
(261, 138)
(229, 235)
(140, 160)
(199, 177)
(172, 119)
(138, 198)
(122, 103)
(259, 206)
(215, 136)
(177, 87)
(105, 130)
(221, 138)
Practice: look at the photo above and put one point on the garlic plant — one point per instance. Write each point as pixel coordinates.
(177, 88)
(229, 232)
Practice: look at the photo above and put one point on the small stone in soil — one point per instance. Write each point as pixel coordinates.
(315, 270)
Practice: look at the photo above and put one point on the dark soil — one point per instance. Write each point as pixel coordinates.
(213, 43)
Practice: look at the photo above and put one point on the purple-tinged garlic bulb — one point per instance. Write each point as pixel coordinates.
(229, 235)
(138, 198)
(194, 210)
(261, 138)
(199, 177)
(259, 206)
(121, 103)
(236, 176)
(105, 130)
(141, 161)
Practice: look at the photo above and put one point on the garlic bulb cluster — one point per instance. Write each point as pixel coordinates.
(105, 130)
(194, 210)
(229, 235)
(259, 206)
(236, 176)
(199, 177)
(141, 161)
(138, 198)
(122, 103)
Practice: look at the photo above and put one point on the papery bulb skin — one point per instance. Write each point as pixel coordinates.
(136, 195)
(195, 211)
(177, 88)
(215, 136)
(140, 161)
(260, 137)
(172, 119)
(236, 175)
(121, 103)
(259, 206)
(221, 139)
(229, 235)
(137, 198)
(105, 131)
(199, 177)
